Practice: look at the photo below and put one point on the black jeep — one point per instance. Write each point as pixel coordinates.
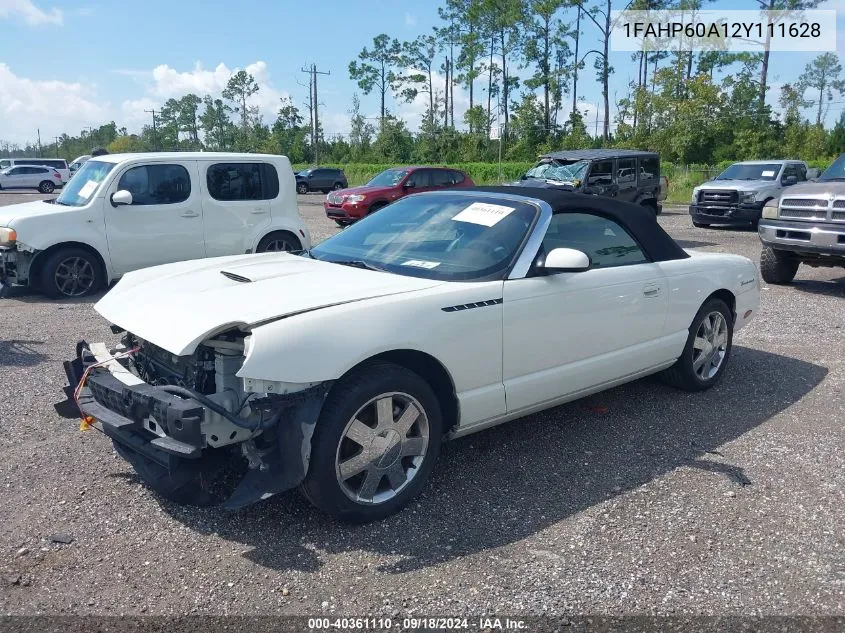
(624, 174)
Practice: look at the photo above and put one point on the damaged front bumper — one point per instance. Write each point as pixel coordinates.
(164, 435)
(14, 265)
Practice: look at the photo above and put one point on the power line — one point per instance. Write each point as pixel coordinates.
(315, 119)
(155, 132)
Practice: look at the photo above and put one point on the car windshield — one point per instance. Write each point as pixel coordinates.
(836, 171)
(559, 170)
(741, 171)
(84, 184)
(449, 237)
(388, 178)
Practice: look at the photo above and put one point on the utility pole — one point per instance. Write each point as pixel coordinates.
(40, 153)
(57, 145)
(314, 101)
(155, 133)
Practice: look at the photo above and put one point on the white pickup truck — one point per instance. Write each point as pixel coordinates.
(123, 212)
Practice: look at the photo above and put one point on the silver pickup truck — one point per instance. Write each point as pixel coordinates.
(738, 194)
(806, 226)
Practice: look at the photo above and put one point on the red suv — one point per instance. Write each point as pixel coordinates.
(348, 205)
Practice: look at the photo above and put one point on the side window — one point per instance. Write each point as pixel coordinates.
(800, 171)
(607, 243)
(421, 178)
(601, 173)
(649, 170)
(457, 177)
(156, 184)
(236, 181)
(789, 170)
(441, 177)
(626, 171)
(4, 164)
(269, 181)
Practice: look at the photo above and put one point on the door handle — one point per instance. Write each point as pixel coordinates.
(651, 291)
(190, 214)
(258, 211)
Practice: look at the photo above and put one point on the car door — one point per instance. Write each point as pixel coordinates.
(569, 332)
(600, 179)
(237, 205)
(18, 178)
(626, 179)
(163, 224)
(419, 180)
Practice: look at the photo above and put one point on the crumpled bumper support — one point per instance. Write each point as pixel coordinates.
(120, 411)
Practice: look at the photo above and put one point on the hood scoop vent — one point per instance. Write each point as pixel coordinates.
(234, 277)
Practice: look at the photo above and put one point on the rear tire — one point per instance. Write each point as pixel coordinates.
(777, 267)
(71, 273)
(279, 241)
(368, 462)
(707, 351)
(46, 187)
(337, 186)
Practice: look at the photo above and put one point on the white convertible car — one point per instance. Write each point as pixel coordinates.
(341, 369)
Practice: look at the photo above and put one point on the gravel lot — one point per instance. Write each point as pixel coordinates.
(638, 500)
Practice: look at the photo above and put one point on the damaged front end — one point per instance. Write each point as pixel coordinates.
(188, 423)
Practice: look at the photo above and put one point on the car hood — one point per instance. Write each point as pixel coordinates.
(31, 209)
(832, 187)
(542, 183)
(177, 306)
(363, 190)
(738, 185)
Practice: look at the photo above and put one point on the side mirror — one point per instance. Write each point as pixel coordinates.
(789, 180)
(565, 260)
(121, 197)
(813, 173)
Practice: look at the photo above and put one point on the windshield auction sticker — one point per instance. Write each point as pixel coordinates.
(419, 263)
(88, 188)
(484, 213)
(723, 30)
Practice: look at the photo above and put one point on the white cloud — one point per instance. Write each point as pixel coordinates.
(410, 20)
(29, 13)
(165, 82)
(53, 106)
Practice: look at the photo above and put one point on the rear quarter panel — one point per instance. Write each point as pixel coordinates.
(691, 281)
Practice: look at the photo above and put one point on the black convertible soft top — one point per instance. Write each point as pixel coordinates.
(639, 221)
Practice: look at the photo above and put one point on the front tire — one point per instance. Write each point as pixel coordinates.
(301, 188)
(707, 351)
(278, 242)
(71, 273)
(777, 267)
(46, 187)
(375, 443)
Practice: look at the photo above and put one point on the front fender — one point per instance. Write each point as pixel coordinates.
(326, 343)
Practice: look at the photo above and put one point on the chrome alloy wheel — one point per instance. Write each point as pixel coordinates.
(382, 448)
(710, 345)
(74, 276)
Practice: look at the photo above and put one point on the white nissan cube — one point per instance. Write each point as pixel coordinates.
(123, 212)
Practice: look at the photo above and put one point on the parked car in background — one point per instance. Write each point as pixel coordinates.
(122, 212)
(348, 205)
(77, 163)
(59, 164)
(737, 195)
(323, 179)
(805, 226)
(44, 179)
(481, 306)
(624, 174)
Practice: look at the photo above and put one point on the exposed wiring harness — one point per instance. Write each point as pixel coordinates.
(87, 419)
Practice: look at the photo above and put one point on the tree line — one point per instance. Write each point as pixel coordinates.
(520, 64)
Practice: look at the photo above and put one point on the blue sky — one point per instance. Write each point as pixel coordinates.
(69, 64)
